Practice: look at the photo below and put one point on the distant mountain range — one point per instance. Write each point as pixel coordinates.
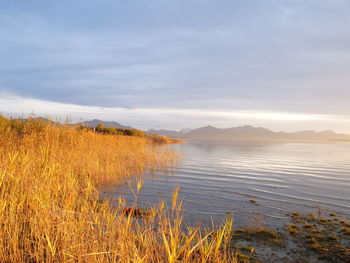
(167, 133)
(250, 133)
(234, 133)
(114, 124)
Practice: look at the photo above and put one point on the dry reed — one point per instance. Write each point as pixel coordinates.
(50, 209)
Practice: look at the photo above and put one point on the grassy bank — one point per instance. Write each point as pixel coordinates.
(50, 209)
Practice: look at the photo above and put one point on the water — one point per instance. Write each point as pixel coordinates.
(217, 178)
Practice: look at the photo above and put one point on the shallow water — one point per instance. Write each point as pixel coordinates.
(217, 178)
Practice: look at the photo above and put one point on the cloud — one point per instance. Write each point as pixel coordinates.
(220, 56)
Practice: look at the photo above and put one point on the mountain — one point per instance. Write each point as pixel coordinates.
(322, 135)
(167, 133)
(186, 130)
(251, 133)
(242, 132)
(40, 119)
(95, 122)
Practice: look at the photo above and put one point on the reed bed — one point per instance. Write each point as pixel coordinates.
(50, 209)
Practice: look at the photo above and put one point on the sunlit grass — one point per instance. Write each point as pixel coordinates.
(50, 209)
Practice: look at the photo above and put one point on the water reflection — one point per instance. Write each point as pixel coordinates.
(217, 178)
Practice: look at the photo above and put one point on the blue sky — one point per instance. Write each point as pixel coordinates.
(175, 64)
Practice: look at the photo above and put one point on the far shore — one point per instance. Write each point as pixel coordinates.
(183, 140)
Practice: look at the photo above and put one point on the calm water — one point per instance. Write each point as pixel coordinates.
(221, 177)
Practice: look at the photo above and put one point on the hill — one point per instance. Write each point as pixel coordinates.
(167, 133)
(252, 133)
(114, 124)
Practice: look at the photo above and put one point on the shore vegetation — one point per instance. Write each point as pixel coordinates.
(50, 210)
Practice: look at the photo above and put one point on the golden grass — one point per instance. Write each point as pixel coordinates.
(50, 209)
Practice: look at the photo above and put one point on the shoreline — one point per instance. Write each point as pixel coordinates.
(211, 140)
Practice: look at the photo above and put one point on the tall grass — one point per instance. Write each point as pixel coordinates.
(50, 209)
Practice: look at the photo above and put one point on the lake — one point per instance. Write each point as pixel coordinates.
(255, 182)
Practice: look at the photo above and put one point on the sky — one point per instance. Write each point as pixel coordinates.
(281, 64)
